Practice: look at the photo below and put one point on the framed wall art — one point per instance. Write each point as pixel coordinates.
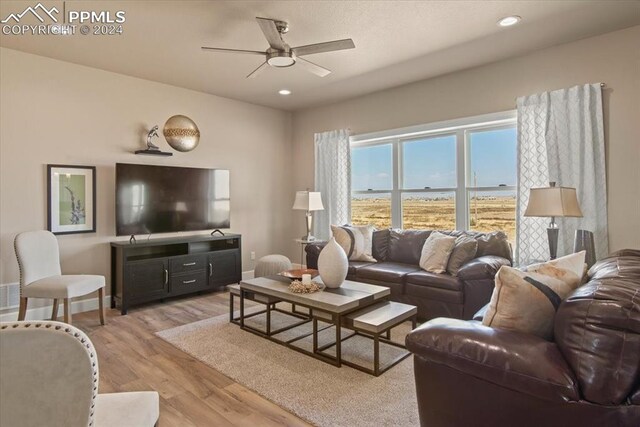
(71, 199)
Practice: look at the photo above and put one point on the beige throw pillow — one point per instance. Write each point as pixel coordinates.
(527, 300)
(355, 240)
(464, 251)
(436, 251)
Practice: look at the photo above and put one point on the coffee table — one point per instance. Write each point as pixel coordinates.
(360, 307)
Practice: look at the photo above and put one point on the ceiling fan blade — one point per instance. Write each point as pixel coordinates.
(323, 47)
(258, 70)
(313, 68)
(270, 31)
(219, 49)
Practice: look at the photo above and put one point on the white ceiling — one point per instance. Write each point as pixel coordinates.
(396, 41)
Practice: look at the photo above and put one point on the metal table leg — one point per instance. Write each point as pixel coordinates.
(338, 341)
(242, 308)
(315, 335)
(268, 326)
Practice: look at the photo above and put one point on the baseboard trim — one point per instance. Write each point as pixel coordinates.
(44, 313)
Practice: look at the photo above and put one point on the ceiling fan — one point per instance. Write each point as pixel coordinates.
(280, 55)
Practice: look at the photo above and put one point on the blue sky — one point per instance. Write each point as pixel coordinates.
(431, 162)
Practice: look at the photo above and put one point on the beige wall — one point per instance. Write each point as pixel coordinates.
(613, 58)
(57, 112)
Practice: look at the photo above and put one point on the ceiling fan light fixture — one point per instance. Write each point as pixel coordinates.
(280, 59)
(508, 21)
(284, 92)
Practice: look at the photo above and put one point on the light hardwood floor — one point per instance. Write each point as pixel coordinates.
(132, 358)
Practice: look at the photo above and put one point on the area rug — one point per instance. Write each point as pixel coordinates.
(320, 393)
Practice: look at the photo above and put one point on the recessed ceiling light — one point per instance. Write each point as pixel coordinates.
(284, 92)
(508, 21)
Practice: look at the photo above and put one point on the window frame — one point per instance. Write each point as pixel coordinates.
(461, 128)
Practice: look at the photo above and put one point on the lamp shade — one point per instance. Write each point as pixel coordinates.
(553, 201)
(308, 201)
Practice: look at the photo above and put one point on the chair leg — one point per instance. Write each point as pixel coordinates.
(67, 310)
(54, 312)
(22, 311)
(101, 306)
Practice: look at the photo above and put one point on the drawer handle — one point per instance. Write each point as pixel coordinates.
(166, 276)
(188, 281)
(188, 264)
(210, 270)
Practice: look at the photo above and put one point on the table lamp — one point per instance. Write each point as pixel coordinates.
(308, 201)
(553, 202)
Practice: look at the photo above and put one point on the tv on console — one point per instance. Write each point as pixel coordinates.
(163, 199)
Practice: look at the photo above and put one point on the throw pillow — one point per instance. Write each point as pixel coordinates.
(436, 251)
(464, 251)
(355, 240)
(527, 300)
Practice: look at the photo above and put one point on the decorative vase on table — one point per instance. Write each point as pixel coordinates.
(333, 264)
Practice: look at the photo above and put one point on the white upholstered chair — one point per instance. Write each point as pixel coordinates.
(41, 277)
(50, 378)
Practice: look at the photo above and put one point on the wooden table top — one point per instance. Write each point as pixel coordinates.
(349, 296)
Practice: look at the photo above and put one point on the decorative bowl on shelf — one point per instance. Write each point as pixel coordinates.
(296, 273)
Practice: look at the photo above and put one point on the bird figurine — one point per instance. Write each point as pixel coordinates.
(152, 133)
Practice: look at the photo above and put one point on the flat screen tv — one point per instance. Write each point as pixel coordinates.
(163, 199)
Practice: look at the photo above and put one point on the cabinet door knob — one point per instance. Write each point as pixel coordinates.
(210, 270)
(189, 281)
(189, 264)
(166, 276)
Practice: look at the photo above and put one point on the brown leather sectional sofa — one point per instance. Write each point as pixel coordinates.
(436, 295)
(468, 374)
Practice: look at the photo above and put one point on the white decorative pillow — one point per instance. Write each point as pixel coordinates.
(356, 241)
(436, 252)
(527, 300)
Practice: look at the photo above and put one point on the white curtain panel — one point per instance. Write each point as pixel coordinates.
(561, 139)
(332, 180)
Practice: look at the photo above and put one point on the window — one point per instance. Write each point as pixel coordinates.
(451, 175)
(371, 183)
(372, 168)
(491, 180)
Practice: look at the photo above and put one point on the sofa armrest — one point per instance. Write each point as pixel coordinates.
(484, 267)
(313, 252)
(521, 362)
(478, 278)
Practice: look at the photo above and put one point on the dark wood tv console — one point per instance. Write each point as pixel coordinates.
(160, 268)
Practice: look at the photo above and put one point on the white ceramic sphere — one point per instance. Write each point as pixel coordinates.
(333, 264)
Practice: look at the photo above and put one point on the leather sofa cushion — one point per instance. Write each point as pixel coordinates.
(598, 331)
(354, 266)
(495, 243)
(432, 293)
(443, 281)
(380, 244)
(386, 271)
(405, 246)
(624, 263)
(513, 360)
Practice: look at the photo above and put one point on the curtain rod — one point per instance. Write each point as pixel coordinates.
(601, 85)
